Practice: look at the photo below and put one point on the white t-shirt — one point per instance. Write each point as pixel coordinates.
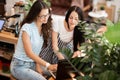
(58, 26)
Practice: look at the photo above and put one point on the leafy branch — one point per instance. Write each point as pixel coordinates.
(104, 55)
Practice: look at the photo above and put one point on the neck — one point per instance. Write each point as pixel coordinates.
(71, 28)
(39, 26)
(66, 27)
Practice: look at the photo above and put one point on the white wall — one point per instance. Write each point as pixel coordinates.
(117, 4)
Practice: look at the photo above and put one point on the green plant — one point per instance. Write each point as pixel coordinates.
(104, 55)
(47, 2)
(102, 8)
(113, 31)
(29, 4)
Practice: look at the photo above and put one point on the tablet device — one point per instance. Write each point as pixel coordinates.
(2, 22)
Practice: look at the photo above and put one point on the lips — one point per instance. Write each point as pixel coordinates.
(72, 24)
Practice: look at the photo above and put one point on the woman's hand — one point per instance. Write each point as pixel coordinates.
(38, 69)
(52, 67)
(78, 54)
(59, 54)
(102, 29)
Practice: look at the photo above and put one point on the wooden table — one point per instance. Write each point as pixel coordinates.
(8, 37)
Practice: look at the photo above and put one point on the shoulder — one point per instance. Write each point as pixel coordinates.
(58, 24)
(27, 26)
(57, 19)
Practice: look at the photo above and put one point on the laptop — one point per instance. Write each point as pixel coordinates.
(67, 70)
(2, 22)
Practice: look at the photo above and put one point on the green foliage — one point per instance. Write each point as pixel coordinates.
(104, 55)
(67, 52)
(113, 32)
(108, 75)
(102, 8)
(29, 4)
(109, 23)
(47, 2)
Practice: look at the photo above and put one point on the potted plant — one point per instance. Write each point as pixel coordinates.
(104, 55)
(102, 8)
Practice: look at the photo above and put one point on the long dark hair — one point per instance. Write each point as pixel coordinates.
(78, 10)
(33, 14)
(78, 37)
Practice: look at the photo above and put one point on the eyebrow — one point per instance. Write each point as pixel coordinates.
(75, 17)
(44, 14)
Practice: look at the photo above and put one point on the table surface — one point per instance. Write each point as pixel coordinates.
(8, 37)
(98, 14)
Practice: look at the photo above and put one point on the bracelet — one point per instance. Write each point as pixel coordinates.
(47, 65)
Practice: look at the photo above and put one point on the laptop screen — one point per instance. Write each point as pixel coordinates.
(2, 21)
(67, 70)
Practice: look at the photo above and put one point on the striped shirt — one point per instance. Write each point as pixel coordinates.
(65, 40)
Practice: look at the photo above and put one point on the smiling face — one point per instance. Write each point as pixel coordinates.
(43, 16)
(73, 20)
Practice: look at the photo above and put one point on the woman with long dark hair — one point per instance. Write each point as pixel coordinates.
(34, 34)
(62, 35)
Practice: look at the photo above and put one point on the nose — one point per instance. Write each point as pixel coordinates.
(45, 18)
(73, 20)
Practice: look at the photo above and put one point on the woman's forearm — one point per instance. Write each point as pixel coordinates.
(55, 41)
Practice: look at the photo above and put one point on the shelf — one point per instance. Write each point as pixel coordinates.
(6, 56)
(4, 74)
(8, 37)
(7, 47)
(6, 50)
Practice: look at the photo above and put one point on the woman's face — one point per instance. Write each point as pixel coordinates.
(43, 16)
(73, 19)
